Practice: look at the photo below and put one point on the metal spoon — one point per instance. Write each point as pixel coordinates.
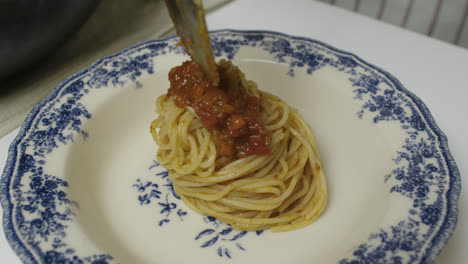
(189, 21)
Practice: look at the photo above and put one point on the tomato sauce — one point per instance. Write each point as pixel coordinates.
(226, 110)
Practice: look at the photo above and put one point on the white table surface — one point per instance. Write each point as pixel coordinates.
(436, 72)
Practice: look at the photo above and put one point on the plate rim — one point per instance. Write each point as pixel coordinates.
(439, 240)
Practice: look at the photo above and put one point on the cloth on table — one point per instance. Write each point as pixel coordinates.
(444, 20)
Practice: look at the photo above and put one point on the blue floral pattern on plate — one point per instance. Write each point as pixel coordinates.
(37, 211)
(216, 235)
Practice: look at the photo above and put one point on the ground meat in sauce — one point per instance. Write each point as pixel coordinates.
(226, 110)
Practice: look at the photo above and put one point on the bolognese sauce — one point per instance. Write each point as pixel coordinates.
(226, 110)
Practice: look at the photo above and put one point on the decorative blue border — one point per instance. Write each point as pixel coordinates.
(5, 199)
(438, 241)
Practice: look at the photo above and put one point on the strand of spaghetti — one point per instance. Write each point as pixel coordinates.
(244, 221)
(213, 193)
(297, 195)
(233, 170)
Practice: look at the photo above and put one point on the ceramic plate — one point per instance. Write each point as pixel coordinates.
(81, 184)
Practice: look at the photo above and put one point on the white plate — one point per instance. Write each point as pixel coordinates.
(81, 182)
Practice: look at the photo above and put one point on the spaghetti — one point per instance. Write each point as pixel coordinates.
(281, 190)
